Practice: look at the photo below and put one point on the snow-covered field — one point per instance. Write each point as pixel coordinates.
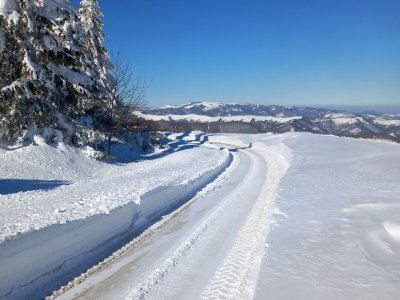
(292, 216)
(336, 231)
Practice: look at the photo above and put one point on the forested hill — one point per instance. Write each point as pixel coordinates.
(255, 118)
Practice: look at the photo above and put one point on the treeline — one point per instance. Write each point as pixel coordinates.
(255, 127)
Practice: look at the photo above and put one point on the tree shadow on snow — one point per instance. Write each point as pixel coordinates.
(179, 144)
(176, 145)
(12, 186)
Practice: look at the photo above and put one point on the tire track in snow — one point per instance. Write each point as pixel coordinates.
(217, 183)
(159, 272)
(237, 276)
(166, 274)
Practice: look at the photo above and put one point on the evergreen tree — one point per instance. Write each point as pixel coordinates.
(51, 69)
(55, 72)
(92, 43)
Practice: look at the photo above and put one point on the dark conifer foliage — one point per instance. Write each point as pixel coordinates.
(54, 67)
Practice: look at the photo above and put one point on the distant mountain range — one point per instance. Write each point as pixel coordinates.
(253, 118)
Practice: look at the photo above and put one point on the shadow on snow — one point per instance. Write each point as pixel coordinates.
(176, 145)
(12, 186)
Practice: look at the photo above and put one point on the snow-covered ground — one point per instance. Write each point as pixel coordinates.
(336, 231)
(56, 204)
(46, 185)
(292, 216)
(222, 233)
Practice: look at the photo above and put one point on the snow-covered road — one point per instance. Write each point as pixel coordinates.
(211, 248)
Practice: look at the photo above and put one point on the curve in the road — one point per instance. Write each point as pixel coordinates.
(64, 292)
(215, 257)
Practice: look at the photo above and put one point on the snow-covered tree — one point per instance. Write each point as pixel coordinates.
(56, 74)
(92, 42)
(48, 75)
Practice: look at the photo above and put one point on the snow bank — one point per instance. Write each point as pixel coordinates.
(229, 139)
(46, 234)
(57, 185)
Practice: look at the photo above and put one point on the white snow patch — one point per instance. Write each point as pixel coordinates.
(29, 65)
(393, 229)
(278, 212)
(205, 105)
(344, 121)
(386, 122)
(343, 118)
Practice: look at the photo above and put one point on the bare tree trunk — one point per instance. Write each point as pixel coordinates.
(110, 133)
(126, 95)
(109, 145)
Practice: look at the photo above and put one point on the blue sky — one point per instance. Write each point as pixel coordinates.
(289, 52)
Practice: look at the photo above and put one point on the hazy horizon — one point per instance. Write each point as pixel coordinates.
(381, 108)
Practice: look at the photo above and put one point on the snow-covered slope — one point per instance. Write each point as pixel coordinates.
(250, 118)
